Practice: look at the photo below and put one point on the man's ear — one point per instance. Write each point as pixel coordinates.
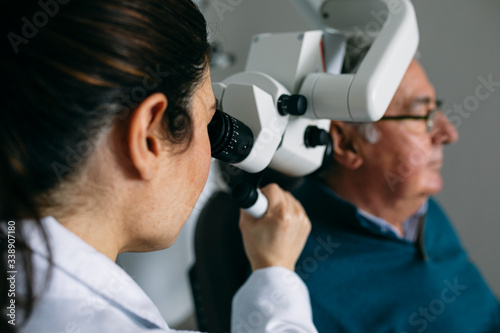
(145, 138)
(346, 148)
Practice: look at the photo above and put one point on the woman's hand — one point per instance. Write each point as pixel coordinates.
(277, 239)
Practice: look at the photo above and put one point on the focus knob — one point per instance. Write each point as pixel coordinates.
(315, 136)
(295, 105)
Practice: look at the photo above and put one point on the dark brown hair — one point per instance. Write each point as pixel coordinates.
(72, 68)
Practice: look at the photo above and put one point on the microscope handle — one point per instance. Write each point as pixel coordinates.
(259, 208)
(250, 199)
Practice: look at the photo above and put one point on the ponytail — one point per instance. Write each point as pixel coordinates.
(16, 204)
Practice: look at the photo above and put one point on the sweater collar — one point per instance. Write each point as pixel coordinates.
(319, 201)
(326, 205)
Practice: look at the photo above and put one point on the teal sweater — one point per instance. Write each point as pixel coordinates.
(362, 279)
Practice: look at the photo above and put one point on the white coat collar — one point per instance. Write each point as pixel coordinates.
(97, 272)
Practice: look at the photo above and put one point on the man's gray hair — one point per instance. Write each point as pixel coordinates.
(368, 131)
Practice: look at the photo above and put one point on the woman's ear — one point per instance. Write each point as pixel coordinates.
(145, 137)
(346, 147)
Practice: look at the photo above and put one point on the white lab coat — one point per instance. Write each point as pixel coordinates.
(90, 293)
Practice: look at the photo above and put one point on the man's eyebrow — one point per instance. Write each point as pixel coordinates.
(419, 101)
(422, 100)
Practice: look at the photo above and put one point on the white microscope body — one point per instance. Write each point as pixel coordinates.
(309, 64)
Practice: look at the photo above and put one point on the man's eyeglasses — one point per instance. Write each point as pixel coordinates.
(429, 118)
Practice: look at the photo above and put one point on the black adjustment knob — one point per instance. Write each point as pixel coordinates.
(315, 136)
(295, 105)
(244, 194)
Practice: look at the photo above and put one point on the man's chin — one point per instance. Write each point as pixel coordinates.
(433, 184)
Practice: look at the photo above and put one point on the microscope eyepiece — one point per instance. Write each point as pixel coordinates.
(231, 140)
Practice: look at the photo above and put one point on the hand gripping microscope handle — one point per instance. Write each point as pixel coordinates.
(250, 199)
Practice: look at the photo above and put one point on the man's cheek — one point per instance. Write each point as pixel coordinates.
(418, 158)
(409, 163)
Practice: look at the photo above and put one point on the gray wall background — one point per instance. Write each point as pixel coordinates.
(460, 42)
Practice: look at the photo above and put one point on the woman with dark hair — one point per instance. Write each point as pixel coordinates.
(104, 149)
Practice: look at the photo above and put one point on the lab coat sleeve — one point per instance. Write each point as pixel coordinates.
(273, 299)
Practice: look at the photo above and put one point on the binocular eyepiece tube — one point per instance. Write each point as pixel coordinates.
(232, 141)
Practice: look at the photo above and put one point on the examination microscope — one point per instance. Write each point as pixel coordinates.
(276, 113)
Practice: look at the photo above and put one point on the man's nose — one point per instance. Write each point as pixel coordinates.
(444, 132)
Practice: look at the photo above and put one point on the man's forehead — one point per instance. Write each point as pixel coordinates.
(414, 91)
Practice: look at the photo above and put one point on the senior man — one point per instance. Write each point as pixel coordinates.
(382, 255)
